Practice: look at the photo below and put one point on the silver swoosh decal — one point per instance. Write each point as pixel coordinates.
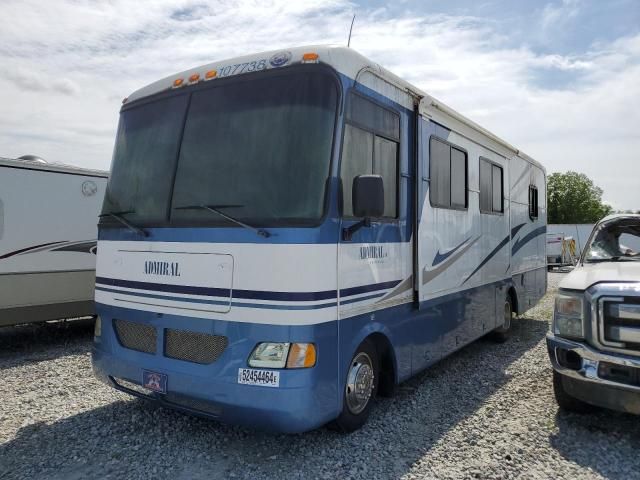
(402, 287)
(428, 275)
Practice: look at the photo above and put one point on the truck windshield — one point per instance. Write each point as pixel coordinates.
(261, 148)
(616, 240)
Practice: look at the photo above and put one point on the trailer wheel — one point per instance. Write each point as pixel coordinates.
(360, 389)
(567, 402)
(501, 334)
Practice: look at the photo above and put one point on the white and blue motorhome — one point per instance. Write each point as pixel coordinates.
(286, 235)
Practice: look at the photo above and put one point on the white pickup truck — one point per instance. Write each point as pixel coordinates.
(594, 344)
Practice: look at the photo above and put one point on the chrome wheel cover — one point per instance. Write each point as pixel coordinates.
(360, 383)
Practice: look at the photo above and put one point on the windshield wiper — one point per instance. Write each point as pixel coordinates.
(216, 209)
(118, 216)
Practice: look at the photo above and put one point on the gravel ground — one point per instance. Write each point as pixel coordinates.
(485, 412)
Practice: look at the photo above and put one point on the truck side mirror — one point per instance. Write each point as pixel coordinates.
(367, 198)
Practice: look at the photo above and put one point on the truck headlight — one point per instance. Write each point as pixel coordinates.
(568, 316)
(283, 355)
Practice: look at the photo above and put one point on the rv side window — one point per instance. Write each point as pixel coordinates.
(448, 173)
(491, 187)
(371, 145)
(533, 202)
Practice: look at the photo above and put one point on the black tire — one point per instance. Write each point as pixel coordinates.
(567, 402)
(351, 418)
(502, 333)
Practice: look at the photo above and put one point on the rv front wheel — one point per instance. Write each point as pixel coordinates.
(360, 388)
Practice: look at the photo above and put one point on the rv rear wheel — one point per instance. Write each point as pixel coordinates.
(361, 387)
(501, 334)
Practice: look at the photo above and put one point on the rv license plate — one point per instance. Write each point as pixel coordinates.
(154, 381)
(265, 378)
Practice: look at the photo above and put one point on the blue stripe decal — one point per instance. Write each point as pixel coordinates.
(239, 304)
(245, 294)
(521, 242)
(440, 257)
(489, 257)
(516, 229)
(347, 292)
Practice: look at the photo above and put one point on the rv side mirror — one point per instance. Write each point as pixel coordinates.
(368, 196)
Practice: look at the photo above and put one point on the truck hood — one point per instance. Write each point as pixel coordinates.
(583, 277)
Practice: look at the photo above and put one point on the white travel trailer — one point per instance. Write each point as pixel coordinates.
(48, 218)
(287, 234)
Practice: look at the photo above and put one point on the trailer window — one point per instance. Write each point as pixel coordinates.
(491, 187)
(533, 202)
(371, 141)
(448, 174)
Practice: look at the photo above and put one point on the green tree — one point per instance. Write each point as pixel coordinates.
(572, 197)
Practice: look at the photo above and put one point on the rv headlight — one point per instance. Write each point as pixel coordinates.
(97, 327)
(269, 355)
(283, 355)
(568, 316)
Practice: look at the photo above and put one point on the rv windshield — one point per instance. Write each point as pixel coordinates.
(615, 241)
(259, 148)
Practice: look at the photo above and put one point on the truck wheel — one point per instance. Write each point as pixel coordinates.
(567, 402)
(501, 334)
(360, 389)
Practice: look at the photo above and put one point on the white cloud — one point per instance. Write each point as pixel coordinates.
(555, 14)
(67, 65)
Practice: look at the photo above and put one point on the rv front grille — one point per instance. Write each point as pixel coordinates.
(136, 336)
(193, 346)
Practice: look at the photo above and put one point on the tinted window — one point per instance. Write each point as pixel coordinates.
(260, 149)
(370, 147)
(486, 191)
(357, 152)
(497, 188)
(448, 173)
(533, 202)
(144, 159)
(385, 164)
(458, 178)
(491, 187)
(373, 117)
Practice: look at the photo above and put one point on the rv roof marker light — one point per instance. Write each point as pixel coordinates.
(124, 100)
(194, 78)
(178, 82)
(310, 57)
(211, 74)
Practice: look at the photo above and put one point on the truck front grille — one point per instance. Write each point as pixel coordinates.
(136, 336)
(620, 323)
(193, 347)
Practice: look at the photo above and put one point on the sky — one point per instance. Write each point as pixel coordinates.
(559, 79)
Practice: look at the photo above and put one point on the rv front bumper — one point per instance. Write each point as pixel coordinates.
(597, 378)
(283, 409)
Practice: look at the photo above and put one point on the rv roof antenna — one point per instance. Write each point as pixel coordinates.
(350, 29)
